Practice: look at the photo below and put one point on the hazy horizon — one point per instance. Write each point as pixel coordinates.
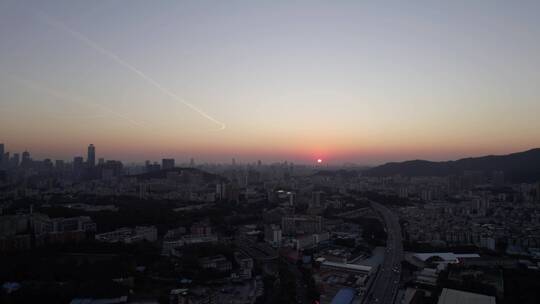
(344, 81)
(201, 159)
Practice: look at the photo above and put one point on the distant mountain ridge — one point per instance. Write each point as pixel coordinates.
(517, 167)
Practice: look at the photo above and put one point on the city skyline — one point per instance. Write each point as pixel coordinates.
(347, 82)
(263, 152)
(92, 159)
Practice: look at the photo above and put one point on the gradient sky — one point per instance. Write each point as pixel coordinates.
(358, 81)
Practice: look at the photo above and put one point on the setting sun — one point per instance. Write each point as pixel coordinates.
(319, 161)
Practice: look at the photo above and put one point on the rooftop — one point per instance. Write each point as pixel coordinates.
(452, 296)
(445, 256)
(345, 266)
(344, 296)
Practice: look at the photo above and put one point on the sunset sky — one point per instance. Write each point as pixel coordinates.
(345, 81)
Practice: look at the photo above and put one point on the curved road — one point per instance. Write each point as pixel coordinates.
(386, 283)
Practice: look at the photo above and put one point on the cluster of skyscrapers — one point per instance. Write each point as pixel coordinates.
(79, 168)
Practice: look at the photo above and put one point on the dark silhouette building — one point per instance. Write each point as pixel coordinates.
(91, 157)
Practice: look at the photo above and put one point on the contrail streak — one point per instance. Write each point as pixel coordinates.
(87, 41)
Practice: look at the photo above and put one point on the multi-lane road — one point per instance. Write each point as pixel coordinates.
(386, 283)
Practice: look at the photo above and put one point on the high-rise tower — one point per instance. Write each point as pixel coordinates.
(91, 158)
(25, 158)
(167, 163)
(1, 153)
